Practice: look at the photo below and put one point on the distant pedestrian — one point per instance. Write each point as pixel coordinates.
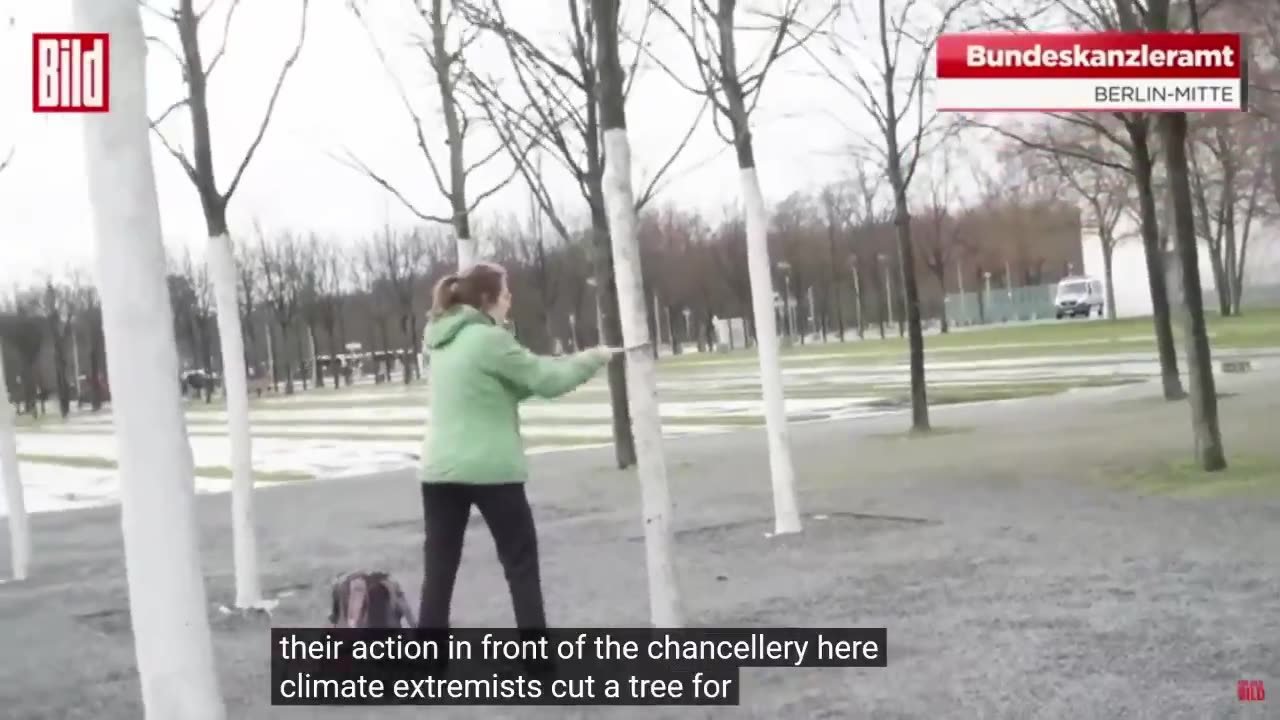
(473, 453)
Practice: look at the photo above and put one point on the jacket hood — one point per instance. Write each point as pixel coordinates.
(442, 330)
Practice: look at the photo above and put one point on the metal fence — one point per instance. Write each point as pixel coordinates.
(1254, 296)
(1019, 304)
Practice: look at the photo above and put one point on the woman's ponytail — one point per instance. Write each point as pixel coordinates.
(477, 286)
(445, 295)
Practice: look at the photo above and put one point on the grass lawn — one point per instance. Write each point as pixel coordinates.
(205, 471)
(1257, 328)
(1255, 474)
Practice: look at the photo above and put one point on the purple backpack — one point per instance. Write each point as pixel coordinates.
(369, 600)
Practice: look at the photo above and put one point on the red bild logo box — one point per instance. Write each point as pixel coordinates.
(70, 72)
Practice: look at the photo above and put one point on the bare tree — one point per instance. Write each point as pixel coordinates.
(553, 109)
(1105, 191)
(168, 605)
(16, 517)
(400, 261)
(1131, 135)
(891, 89)
(199, 168)
(1228, 182)
(379, 303)
(328, 304)
(944, 237)
(91, 314)
(196, 312)
(15, 504)
(278, 259)
(57, 311)
(1174, 131)
(733, 88)
(446, 59)
(664, 603)
(836, 206)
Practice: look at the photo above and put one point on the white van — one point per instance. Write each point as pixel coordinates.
(1080, 296)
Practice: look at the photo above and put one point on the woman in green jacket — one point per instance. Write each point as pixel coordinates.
(473, 453)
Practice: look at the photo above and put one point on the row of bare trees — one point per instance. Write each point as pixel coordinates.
(307, 297)
(1197, 179)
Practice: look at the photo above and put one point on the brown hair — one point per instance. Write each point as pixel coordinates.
(478, 286)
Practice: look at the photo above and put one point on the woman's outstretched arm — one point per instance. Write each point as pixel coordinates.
(545, 377)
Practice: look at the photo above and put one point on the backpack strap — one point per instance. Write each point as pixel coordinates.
(338, 609)
(399, 604)
(357, 602)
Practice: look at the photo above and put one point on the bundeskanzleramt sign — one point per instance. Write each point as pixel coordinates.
(1090, 72)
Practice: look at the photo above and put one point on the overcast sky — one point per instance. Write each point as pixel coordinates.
(338, 98)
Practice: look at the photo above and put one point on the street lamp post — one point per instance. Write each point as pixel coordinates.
(964, 310)
(857, 294)
(888, 287)
(813, 315)
(591, 282)
(987, 276)
(1008, 288)
(785, 267)
(573, 331)
(688, 336)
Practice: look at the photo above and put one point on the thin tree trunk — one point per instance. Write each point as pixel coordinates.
(911, 296)
(786, 510)
(222, 271)
(1204, 397)
(168, 605)
(1151, 246)
(19, 525)
(642, 392)
(1108, 272)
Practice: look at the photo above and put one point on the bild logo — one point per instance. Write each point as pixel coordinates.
(1251, 691)
(69, 72)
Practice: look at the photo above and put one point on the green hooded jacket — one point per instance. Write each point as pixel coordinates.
(478, 375)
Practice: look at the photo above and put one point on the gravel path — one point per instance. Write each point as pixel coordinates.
(1013, 580)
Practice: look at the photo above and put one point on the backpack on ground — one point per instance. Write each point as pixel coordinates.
(369, 600)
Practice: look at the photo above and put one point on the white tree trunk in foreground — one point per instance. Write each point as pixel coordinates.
(244, 543)
(15, 506)
(167, 602)
(785, 511)
(642, 383)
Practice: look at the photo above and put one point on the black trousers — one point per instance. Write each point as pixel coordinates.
(446, 508)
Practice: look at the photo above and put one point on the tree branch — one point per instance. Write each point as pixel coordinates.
(354, 163)
(226, 32)
(271, 105)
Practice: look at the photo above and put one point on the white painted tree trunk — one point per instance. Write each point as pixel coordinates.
(222, 271)
(167, 602)
(15, 506)
(642, 383)
(466, 253)
(786, 512)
